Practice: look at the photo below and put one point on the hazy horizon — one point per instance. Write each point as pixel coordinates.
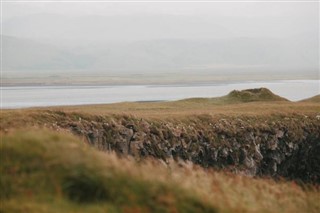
(280, 39)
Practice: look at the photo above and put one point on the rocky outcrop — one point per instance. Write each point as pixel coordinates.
(277, 146)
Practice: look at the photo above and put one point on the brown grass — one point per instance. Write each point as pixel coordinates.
(314, 99)
(165, 110)
(225, 192)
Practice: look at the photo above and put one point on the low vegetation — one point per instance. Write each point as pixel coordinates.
(236, 103)
(44, 171)
(314, 99)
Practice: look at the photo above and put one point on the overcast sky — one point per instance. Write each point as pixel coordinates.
(302, 9)
(238, 35)
(269, 19)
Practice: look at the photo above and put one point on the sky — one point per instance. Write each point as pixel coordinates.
(265, 35)
(302, 9)
(269, 19)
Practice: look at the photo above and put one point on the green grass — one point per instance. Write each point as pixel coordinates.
(43, 171)
(250, 95)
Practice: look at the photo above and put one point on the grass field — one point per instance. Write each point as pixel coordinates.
(234, 104)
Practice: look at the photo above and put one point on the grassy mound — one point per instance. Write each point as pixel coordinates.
(243, 96)
(250, 95)
(314, 99)
(50, 172)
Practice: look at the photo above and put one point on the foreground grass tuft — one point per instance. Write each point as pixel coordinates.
(57, 172)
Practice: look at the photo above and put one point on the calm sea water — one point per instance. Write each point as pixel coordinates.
(21, 97)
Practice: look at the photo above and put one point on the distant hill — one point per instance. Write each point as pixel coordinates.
(314, 99)
(243, 96)
(29, 55)
(224, 56)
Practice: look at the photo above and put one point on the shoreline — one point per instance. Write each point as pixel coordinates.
(72, 95)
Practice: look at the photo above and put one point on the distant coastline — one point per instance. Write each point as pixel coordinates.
(16, 79)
